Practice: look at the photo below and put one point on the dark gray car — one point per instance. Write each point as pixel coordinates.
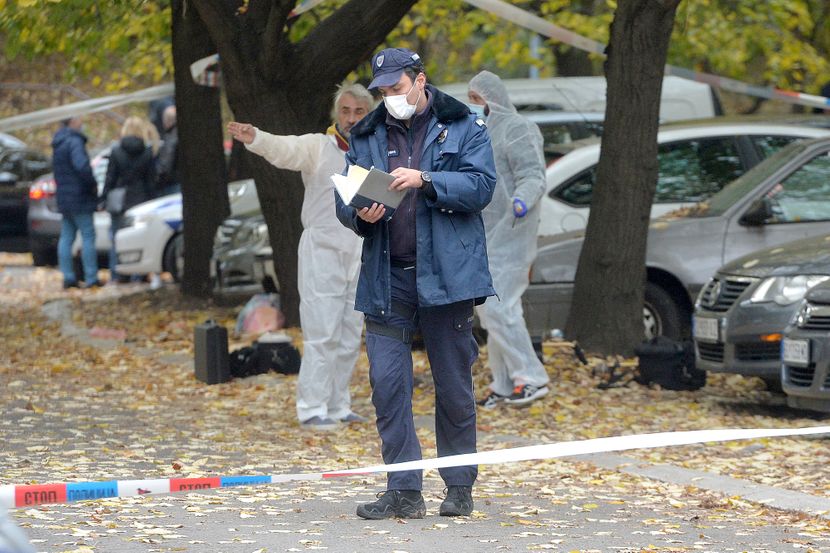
(742, 311)
(805, 353)
(785, 198)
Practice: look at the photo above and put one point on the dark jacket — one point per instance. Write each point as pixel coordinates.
(77, 190)
(131, 165)
(451, 248)
(167, 164)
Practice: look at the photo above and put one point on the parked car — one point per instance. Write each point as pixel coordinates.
(242, 256)
(782, 199)
(805, 352)
(19, 167)
(44, 220)
(741, 313)
(695, 160)
(680, 98)
(151, 239)
(564, 127)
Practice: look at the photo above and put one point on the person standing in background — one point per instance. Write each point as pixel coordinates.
(328, 260)
(167, 163)
(511, 221)
(77, 197)
(131, 168)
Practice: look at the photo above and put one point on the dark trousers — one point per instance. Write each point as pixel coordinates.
(451, 349)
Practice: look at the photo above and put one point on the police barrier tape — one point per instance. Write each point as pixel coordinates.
(546, 28)
(38, 494)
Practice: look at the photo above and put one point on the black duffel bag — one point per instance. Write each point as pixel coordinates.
(669, 363)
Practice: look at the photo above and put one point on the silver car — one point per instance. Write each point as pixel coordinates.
(785, 198)
(805, 353)
(242, 256)
(742, 311)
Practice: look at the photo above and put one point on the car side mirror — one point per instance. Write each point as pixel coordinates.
(759, 212)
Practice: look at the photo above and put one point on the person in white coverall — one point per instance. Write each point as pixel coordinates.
(329, 260)
(511, 221)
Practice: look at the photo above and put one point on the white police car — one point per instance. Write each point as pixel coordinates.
(151, 240)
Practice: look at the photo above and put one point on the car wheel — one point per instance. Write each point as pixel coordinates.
(173, 261)
(661, 314)
(43, 255)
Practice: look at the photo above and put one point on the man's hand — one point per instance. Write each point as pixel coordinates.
(242, 132)
(406, 178)
(372, 214)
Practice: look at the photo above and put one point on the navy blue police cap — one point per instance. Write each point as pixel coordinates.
(388, 65)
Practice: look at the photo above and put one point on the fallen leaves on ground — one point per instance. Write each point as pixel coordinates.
(131, 410)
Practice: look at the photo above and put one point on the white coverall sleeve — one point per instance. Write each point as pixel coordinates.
(295, 153)
(527, 163)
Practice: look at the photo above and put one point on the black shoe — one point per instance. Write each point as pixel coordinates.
(93, 284)
(67, 285)
(394, 504)
(458, 503)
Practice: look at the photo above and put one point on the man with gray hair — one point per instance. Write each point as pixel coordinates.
(329, 260)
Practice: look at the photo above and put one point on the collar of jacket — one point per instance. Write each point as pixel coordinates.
(342, 143)
(445, 107)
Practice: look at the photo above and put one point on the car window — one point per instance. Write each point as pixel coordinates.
(768, 145)
(692, 170)
(578, 190)
(565, 132)
(689, 171)
(805, 194)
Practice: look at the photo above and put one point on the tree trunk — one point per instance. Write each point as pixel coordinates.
(201, 158)
(286, 87)
(607, 310)
(571, 62)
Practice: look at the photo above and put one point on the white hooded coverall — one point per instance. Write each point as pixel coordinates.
(511, 241)
(329, 261)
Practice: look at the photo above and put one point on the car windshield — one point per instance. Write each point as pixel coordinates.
(719, 202)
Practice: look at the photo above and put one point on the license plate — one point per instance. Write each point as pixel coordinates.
(706, 329)
(795, 352)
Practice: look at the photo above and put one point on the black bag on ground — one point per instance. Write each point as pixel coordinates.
(276, 351)
(244, 362)
(272, 352)
(669, 363)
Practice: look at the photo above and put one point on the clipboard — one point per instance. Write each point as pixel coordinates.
(361, 188)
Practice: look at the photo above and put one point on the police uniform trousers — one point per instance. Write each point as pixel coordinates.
(451, 350)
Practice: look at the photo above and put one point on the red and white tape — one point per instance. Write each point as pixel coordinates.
(66, 492)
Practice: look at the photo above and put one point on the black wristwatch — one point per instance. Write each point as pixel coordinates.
(426, 178)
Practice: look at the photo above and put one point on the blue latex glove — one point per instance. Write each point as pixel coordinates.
(519, 208)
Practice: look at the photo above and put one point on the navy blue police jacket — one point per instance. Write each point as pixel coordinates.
(451, 258)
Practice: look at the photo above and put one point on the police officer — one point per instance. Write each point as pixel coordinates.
(424, 268)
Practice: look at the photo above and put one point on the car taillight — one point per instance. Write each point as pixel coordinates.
(42, 189)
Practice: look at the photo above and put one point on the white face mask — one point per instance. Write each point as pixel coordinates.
(398, 107)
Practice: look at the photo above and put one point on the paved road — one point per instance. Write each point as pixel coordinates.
(601, 503)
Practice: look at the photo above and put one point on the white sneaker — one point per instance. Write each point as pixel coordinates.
(319, 423)
(155, 282)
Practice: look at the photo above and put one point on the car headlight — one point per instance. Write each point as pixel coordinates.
(785, 290)
(136, 220)
(249, 234)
